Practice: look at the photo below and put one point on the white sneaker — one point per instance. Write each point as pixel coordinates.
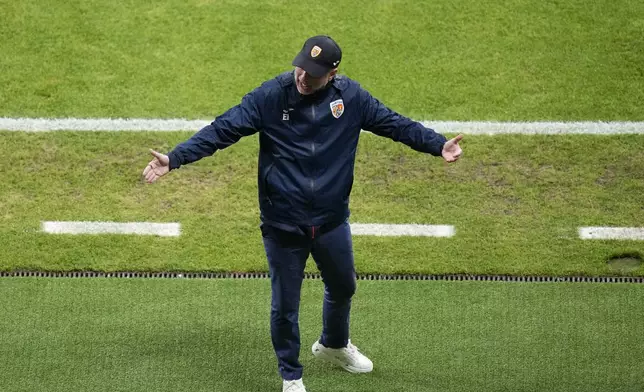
(293, 386)
(349, 358)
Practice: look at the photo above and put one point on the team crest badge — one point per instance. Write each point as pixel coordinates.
(337, 108)
(315, 52)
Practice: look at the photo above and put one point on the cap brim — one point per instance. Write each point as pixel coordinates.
(312, 68)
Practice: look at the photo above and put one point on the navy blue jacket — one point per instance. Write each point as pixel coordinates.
(307, 145)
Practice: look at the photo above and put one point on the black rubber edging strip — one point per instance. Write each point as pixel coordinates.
(265, 275)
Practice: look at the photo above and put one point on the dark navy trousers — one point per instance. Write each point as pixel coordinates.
(287, 249)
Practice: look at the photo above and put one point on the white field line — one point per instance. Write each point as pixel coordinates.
(466, 127)
(402, 230)
(611, 233)
(140, 228)
(100, 124)
(537, 128)
(375, 229)
(174, 229)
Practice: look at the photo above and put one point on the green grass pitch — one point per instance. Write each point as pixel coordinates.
(212, 335)
(516, 200)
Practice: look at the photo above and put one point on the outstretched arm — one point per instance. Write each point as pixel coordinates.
(382, 121)
(241, 120)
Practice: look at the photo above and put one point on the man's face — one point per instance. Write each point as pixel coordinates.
(307, 84)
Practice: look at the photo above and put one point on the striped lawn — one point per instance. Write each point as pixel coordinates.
(212, 335)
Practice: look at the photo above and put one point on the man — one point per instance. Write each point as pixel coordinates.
(309, 121)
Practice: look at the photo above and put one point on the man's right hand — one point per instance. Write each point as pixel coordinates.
(158, 167)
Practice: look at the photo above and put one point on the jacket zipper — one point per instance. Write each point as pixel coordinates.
(312, 181)
(313, 152)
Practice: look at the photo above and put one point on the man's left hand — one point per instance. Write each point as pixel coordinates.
(451, 150)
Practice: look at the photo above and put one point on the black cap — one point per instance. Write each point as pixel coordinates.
(319, 55)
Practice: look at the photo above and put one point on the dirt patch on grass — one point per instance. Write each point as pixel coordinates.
(625, 262)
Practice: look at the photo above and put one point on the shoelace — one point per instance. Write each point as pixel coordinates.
(291, 386)
(353, 350)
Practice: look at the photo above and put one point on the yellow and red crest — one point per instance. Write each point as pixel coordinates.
(337, 108)
(315, 51)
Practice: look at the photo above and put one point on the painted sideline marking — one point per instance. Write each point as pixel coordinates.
(140, 228)
(466, 127)
(100, 124)
(402, 230)
(611, 233)
(537, 128)
(174, 229)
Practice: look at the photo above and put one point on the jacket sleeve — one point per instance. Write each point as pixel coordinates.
(238, 121)
(382, 121)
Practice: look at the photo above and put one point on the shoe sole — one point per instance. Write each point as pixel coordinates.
(351, 369)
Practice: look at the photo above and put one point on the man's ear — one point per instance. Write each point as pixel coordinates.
(332, 73)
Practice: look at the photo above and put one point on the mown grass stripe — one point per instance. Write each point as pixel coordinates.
(317, 276)
(466, 127)
(137, 228)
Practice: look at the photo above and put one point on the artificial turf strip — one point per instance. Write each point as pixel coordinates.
(516, 202)
(445, 59)
(212, 335)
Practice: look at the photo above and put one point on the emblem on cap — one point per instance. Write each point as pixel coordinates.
(337, 108)
(315, 52)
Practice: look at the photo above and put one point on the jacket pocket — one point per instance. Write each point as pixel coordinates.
(348, 192)
(265, 184)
